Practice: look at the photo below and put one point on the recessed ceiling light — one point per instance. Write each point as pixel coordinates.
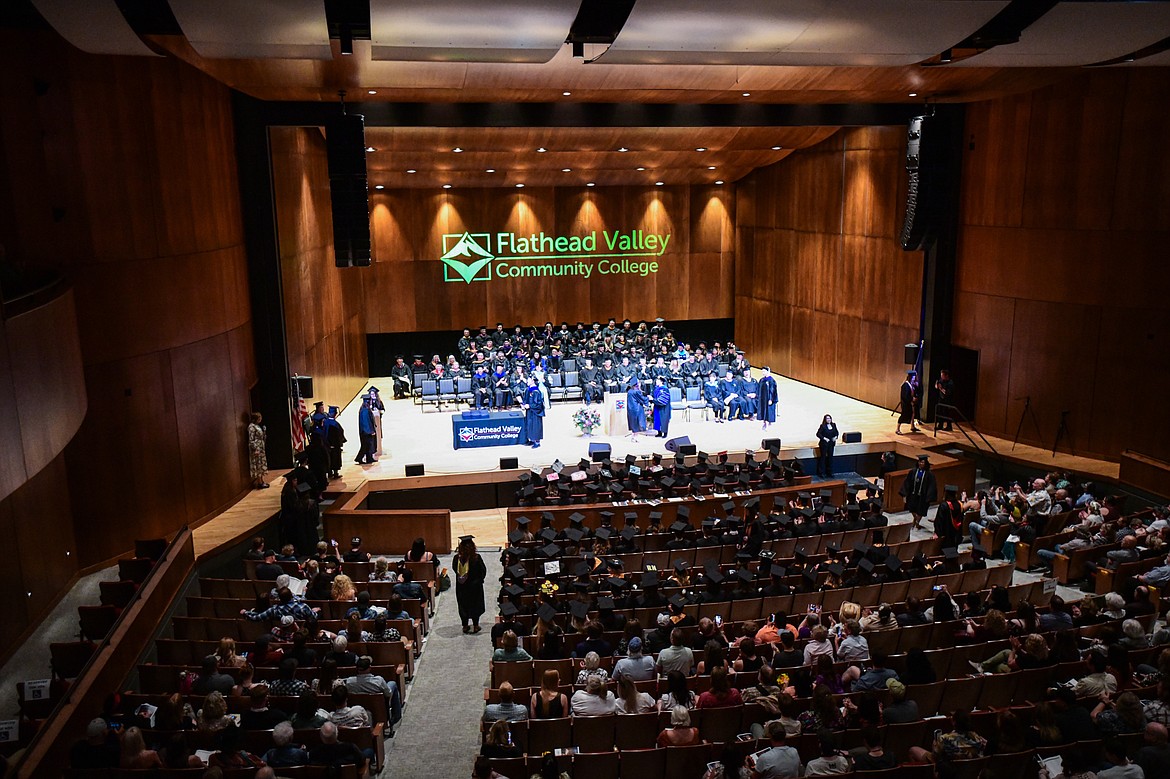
(566, 170)
(590, 184)
(719, 181)
(700, 148)
(710, 167)
(372, 92)
(747, 94)
(639, 168)
(411, 170)
(490, 170)
(623, 149)
(777, 148)
(457, 149)
(370, 148)
(913, 94)
(519, 186)
(542, 149)
(446, 186)
(566, 94)
(658, 183)
(379, 186)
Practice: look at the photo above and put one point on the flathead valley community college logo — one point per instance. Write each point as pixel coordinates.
(466, 434)
(468, 256)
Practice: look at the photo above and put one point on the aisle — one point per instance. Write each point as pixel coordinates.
(439, 732)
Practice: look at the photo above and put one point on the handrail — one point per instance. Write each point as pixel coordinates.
(26, 301)
(110, 663)
(954, 414)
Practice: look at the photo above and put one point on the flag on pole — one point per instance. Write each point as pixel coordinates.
(299, 412)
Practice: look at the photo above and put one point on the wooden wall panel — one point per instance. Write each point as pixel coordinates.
(1061, 272)
(320, 299)
(823, 292)
(407, 292)
(122, 174)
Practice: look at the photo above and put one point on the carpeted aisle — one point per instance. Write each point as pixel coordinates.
(439, 732)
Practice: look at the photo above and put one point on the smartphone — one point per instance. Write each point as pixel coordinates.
(718, 621)
(937, 588)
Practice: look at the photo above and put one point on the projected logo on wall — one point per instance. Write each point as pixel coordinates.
(469, 257)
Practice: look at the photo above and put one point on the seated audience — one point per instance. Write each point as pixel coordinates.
(507, 708)
(594, 699)
(680, 733)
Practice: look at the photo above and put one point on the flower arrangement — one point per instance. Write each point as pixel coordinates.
(587, 420)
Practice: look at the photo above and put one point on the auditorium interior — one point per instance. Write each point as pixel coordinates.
(200, 202)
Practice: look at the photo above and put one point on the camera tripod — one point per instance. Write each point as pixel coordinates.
(1028, 412)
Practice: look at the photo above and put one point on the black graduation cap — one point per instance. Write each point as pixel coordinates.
(703, 457)
(546, 613)
(865, 564)
(522, 521)
(767, 555)
(809, 574)
(514, 551)
(607, 516)
(581, 586)
(615, 488)
(614, 563)
(584, 464)
(922, 458)
(684, 513)
(861, 549)
(773, 451)
(708, 524)
(630, 517)
(679, 527)
(838, 570)
(825, 494)
(517, 571)
(828, 508)
(778, 570)
(951, 488)
(920, 560)
(655, 515)
(728, 506)
(547, 516)
(303, 487)
(508, 609)
(576, 517)
(745, 575)
(529, 491)
(605, 603)
(513, 591)
(550, 550)
(668, 483)
(799, 553)
(852, 508)
(466, 538)
(516, 536)
(681, 565)
(564, 488)
(547, 534)
(751, 503)
(678, 602)
(631, 459)
(581, 569)
(804, 495)
(617, 584)
(893, 563)
(783, 520)
(808, 513)
(593, 488)
(603, 533)
(714, 575)
(574, 535)
(649, 580)
(742, 556)
(629, 533)
(950, 553)
(525, 477)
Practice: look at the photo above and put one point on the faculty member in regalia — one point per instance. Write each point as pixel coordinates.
(636, 402)
(768, 398)
(534, 413)
(661, 407)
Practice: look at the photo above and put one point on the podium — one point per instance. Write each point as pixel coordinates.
(613, 416)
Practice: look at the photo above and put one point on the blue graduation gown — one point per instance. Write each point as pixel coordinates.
(662, 409)
(768, 398)
(636, 401)
(534, 416)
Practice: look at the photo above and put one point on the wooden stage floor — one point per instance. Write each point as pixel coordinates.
(412, 435)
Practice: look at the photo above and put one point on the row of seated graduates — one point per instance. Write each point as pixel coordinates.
(597, 343)
(724, 521)
(656, 478)
(951, 687)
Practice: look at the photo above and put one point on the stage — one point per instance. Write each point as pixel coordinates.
(418, 434)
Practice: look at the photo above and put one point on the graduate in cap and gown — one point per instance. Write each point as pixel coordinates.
(534, 413)
(661, 407)
(768, 398)
(636, 402)
(470, 572)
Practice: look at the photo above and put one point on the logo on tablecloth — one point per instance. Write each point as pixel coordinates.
(466, 434)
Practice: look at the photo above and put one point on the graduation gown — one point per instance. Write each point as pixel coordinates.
(469, 589)
(919, 491)
(768, 398)
(636, 401)
(662, 409)
(534, 416)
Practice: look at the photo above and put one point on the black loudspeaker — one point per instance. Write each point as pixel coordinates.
(599, 452)
(920, 220)
(673, 444)
(509, 463)
(688, 449)
(768, 443)
(851, 438)
(415, 470)
(345, 141)
(303, 385)
(911, 354)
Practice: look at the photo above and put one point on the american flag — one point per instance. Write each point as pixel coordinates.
(299, 412)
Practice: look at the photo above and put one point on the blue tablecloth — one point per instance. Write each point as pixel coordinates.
(498, 428)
